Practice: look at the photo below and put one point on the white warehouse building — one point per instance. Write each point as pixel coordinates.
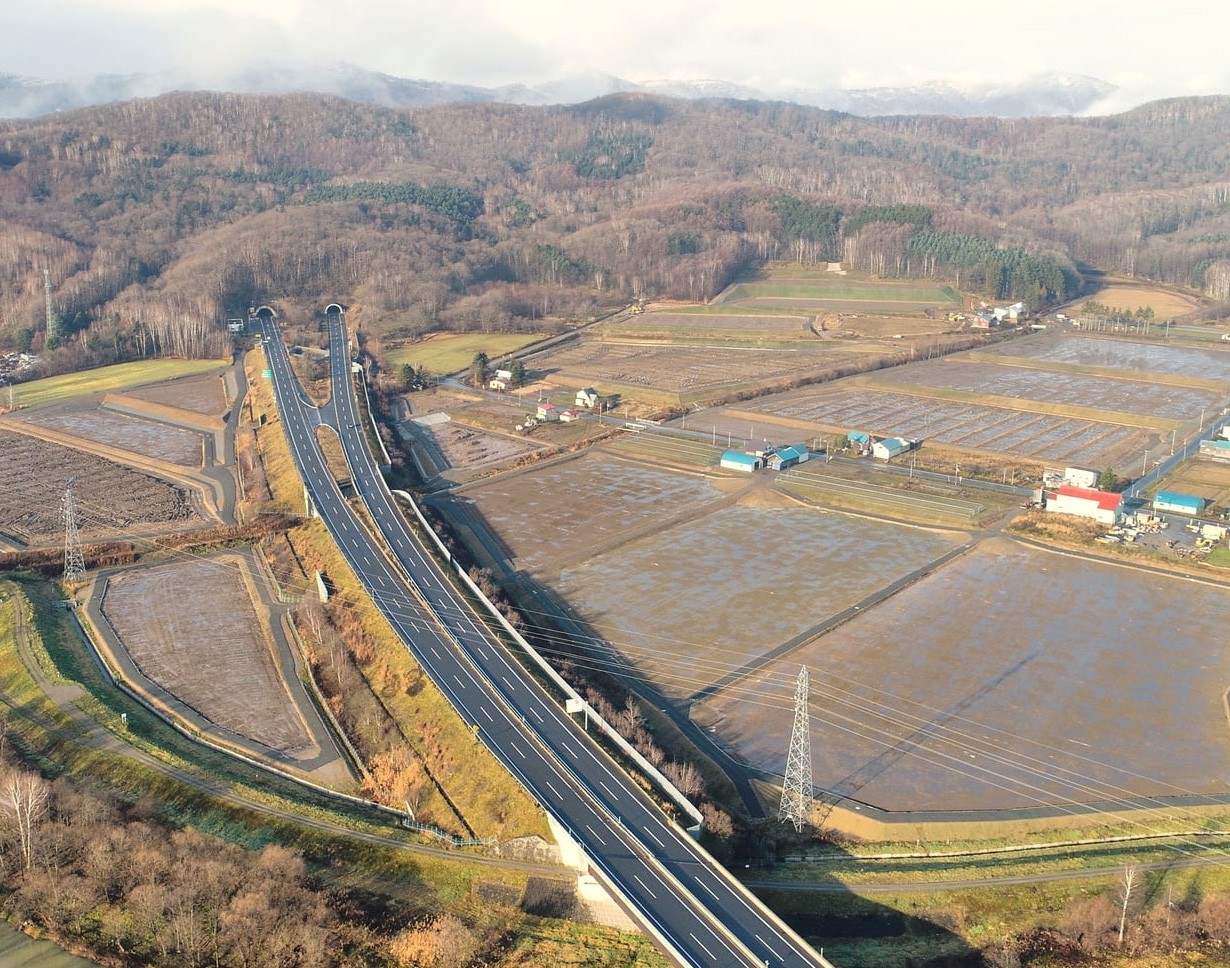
(884, 449)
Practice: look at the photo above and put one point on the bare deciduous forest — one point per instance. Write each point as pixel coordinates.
(156, 219)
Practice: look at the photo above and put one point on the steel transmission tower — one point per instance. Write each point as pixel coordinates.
(797, 799)
(53, 321)
(74, 561)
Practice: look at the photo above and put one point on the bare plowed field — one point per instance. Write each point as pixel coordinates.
(1034, 436)
(159, 441)
(1069, 390)
(1165, 303)
(112, 501)
(471, 448)
(556, 513)
(191, 628)
(1202, 478)
(687, 605)
(1117, 354)
(718, 322)
(203, 393)
(1009, 678)
(675, 369)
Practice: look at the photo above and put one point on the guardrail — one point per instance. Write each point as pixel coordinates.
(651, 771)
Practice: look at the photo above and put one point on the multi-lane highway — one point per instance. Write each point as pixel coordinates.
(695, 909)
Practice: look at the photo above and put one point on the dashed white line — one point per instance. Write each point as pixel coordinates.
(637, 878)
(655, 837)
(694, 938)
(487, 714)
(553, 790)
(597, 836)
(769, 946)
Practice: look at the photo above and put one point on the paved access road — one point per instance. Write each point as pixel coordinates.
(694, 908)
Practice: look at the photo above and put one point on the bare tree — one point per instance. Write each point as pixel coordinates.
(1126, 884)
(23, 800)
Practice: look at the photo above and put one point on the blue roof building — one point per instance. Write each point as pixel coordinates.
(736, 460)
(785, 457)
(1177, 503)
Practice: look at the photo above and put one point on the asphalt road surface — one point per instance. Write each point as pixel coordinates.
(699, 913)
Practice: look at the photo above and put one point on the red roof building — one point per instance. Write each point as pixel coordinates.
(1103, 506)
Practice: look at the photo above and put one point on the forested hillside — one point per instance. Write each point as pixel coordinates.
(158, 218)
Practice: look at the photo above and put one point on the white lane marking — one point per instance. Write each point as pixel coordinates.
(637, 878)
(769, 946)
(708, 888)
(598, 837)
(457, 679)
(553, 790)
(516, 749)
(433, 651)
(536, 715)
(694, 938)
(602, 783)
(568, 749)
(487, 714)
(504, 679)
(653, 835)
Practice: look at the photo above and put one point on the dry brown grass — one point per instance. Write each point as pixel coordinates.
(1165, 303)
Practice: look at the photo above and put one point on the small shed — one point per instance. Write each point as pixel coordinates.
(785, 457)
(498, 383)
(504, 375)
(736, 460)
(587, 398)
(1177, 503)
(568, 415)
(890, 447)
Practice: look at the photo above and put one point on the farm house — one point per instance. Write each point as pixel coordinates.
(785, 457)
(891, 447)
(1085, 502)
(859, 439)
(736, 460)
(1177, 503)
(588, 397)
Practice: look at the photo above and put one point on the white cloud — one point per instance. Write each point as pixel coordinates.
(775, 44)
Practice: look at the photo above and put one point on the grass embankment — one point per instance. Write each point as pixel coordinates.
(193, 786)
(388, 881)
(281, 477)
(53, 389)
(484, 795)
(453, 352)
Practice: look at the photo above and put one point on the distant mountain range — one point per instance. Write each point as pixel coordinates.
(1044, 95)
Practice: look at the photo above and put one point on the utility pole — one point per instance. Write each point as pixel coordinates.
(797, 799)
(74, 561)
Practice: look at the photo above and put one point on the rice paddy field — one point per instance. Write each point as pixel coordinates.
(1009, 678)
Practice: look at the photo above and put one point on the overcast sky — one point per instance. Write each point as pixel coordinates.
(1149, 49)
